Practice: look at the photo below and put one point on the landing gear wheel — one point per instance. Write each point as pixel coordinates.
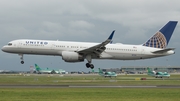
(89, 59)
(88, 65)
(92, 66)
(22, 62)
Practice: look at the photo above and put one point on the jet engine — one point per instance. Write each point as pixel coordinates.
(68, 56)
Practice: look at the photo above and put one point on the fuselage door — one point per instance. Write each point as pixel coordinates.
(53, 47)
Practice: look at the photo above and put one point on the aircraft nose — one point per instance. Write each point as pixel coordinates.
(3, 49)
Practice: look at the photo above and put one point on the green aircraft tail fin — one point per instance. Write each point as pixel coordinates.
(37, 67)
(100, 71)
(92, 70)
(149, 70)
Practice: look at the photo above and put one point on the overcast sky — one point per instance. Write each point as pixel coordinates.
(135, 21)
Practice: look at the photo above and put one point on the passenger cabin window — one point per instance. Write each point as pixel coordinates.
(9, 44)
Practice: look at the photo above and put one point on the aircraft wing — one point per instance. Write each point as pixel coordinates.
(97, 49)
(164, 50)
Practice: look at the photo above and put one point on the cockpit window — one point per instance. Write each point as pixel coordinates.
(9, 44)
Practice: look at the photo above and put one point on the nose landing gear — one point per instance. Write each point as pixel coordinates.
(21, 57)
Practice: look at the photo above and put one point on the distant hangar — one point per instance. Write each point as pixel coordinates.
(143, 69)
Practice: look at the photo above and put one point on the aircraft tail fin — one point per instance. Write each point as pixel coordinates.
(92, 70)
(149, 70)
(37, 67)
(162, 37)
(100, 71)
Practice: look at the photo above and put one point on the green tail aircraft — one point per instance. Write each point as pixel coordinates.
(48, 71)
(106, 74)
(157, 74)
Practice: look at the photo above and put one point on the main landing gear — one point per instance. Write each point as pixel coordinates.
(89, 59)
(89, 65)
(21, 57)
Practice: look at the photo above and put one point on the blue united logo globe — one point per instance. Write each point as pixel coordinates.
(157, 41)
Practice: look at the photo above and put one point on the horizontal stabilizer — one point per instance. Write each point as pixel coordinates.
(164, 50)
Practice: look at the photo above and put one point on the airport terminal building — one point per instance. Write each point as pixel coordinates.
(143, 69)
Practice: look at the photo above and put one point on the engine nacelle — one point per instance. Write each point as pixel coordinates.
(72, 57)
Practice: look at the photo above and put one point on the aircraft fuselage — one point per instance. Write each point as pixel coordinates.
(113, 51)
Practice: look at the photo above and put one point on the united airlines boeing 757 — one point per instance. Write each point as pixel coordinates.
(80, 51)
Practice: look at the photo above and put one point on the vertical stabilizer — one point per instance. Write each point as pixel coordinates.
(92, 70)
(100, 71)
(149, 70)
(37, 67)
(162, 37)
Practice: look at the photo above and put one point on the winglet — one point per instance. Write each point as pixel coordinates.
(99, 48)
(111, 36)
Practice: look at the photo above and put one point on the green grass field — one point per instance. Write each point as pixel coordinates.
(88, 94)
(86, 80)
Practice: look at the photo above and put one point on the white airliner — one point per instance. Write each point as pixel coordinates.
(79, 51)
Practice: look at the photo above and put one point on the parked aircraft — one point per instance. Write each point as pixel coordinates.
(79, 51)
(48, 71)
(158, 74)
(106, 74)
